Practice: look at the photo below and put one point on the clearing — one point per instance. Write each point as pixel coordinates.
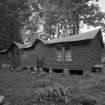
(18, 86)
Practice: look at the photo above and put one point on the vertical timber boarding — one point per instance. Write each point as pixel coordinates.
(29, 56)
(95, 51)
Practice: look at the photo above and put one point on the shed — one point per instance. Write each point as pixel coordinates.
(76, 53)
(30, 53)
(9, 51)
(10, 56)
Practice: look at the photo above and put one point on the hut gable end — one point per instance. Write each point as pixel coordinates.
(29, 55)
(96, 47)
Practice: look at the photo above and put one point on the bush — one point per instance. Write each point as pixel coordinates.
(84, 100)
(56, 95)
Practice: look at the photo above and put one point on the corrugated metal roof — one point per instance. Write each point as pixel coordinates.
(77, 37)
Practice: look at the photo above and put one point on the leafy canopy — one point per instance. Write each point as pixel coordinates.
(13, 14)
(67, 15)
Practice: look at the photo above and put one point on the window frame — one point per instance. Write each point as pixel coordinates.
(59, 48)
(63, 50)
(68, 48)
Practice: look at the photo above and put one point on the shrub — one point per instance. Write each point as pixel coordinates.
(84, 100)
(56, 95)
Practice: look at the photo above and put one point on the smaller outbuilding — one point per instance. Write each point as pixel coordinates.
(10, 56)
(32, 54)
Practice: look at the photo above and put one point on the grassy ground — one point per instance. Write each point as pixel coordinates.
(18, 86)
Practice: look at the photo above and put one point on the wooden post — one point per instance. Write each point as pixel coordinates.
(66, 71)
(50, 71)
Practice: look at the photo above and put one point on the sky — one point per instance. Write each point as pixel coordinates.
(102, 5)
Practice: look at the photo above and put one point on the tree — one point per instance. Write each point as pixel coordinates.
(60, 15)
(68, 14)
(12, 14)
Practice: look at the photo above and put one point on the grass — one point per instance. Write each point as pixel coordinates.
(20, 87)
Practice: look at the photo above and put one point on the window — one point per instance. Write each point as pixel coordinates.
(59, 54)
(68, 56)
(64, 54)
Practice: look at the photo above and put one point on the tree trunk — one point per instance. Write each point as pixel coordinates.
(74, 28)
(58, 29)
(77, 22)
(69, 28)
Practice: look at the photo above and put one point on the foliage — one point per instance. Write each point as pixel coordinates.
(12, 14)
(46, 18)
(57, 95)
(52, 94)
(84, 100)
(59, 15)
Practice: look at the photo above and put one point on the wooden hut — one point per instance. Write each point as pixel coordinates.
(76, 53)
(31, 54)
(9, 51)
(10, 57)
